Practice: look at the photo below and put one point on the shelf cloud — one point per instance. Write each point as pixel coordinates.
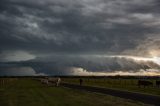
(38, 31)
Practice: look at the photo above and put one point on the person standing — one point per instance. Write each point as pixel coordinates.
(80, 81)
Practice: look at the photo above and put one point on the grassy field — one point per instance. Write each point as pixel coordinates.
(121, 84)
(27, 92)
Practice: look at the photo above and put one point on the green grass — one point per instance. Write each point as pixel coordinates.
(27, 92)
(121, 84)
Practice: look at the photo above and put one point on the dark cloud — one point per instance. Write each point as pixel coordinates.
(62, 65)
(51, 27)
(70, 27)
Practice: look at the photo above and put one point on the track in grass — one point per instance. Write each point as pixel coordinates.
(145, 98)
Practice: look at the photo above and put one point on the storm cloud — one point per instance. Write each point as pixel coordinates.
(67, 65)
(37, 31)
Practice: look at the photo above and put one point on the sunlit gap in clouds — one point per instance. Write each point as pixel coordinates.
(142, 72)
(137, 58)
(81, 71)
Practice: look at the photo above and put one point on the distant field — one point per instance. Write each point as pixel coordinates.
(27, 92)
(122, 84)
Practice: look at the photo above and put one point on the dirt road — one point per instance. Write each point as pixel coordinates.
(145, 98)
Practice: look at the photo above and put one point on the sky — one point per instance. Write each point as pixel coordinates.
(79, 37)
